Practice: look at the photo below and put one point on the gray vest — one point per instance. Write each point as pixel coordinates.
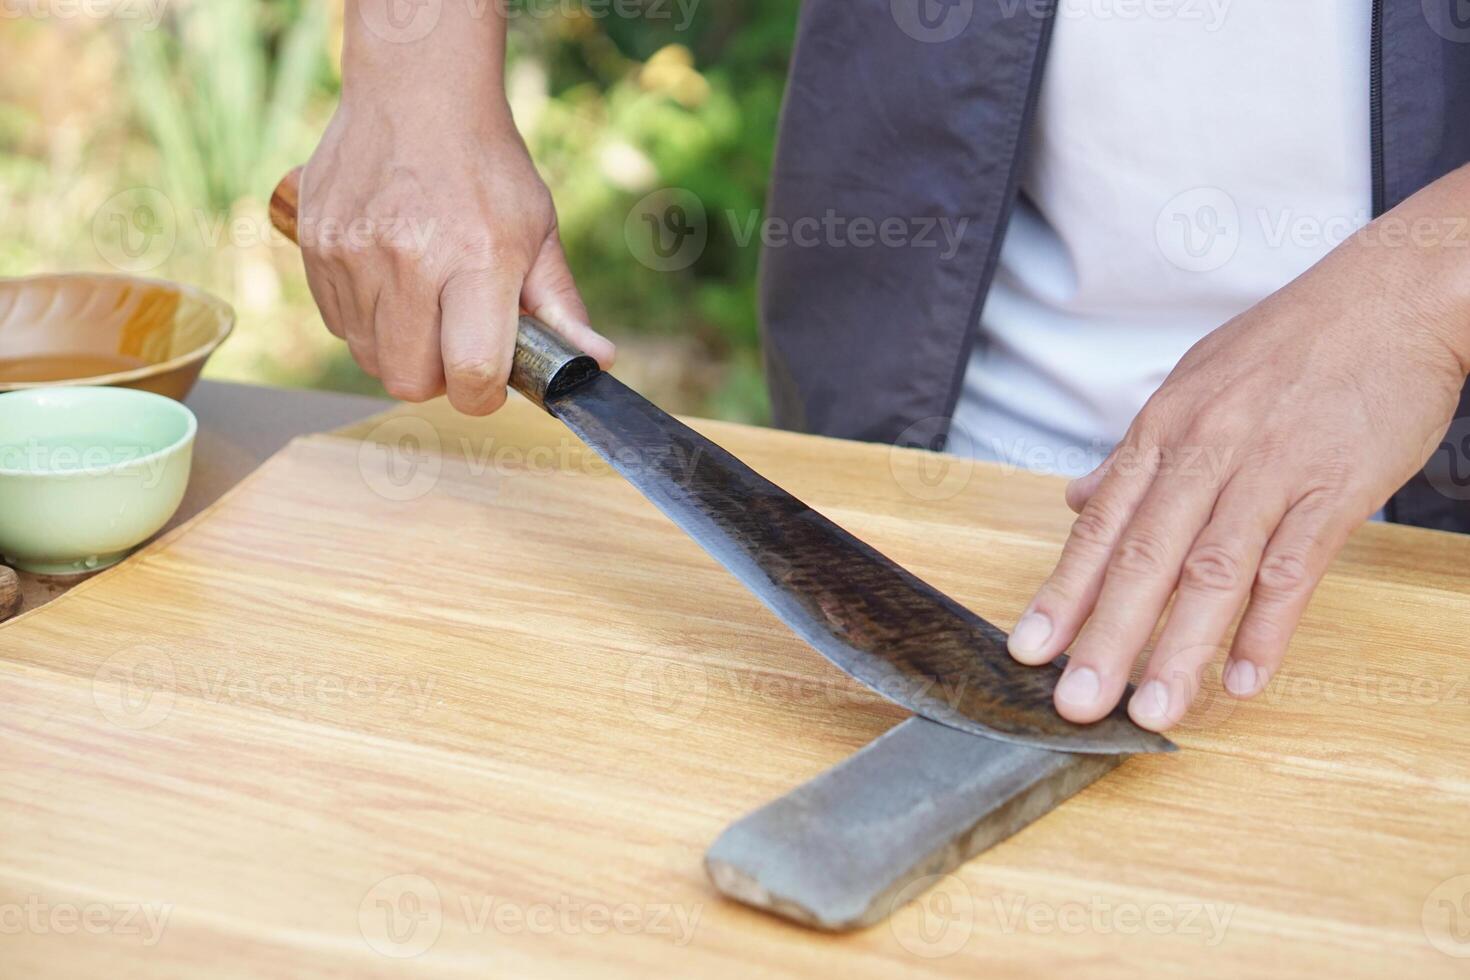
(919, 110)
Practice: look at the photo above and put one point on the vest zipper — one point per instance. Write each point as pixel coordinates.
(1375, 109)
(1047, 11)
(1375, 141)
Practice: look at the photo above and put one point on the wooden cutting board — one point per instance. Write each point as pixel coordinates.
(453, 700)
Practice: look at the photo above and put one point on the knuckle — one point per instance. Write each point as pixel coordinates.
(1260, 639)
(1282, 575)
(1265, 456)
(1141, 552)
(410, 389)
(1183, 681)
(341, 257)
(476, 254)
(476, 403)
(1157, 417)
(477, 373)
(363, 353)
(1211, 568)
(1139, 455)
(1101, 643)
(1323, 498)
(1217, 421)
(471, 277)
(417, 275)
(1095, 527)
(1056, 593)
(318, 260)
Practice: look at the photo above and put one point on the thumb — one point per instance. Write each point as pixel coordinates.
(550, 295)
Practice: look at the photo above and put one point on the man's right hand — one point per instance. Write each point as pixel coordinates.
(424, 225)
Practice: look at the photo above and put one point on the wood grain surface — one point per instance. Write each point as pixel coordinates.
(442, 697)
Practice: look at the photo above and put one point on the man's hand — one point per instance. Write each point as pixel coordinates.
(1273, 438)
(424, 226)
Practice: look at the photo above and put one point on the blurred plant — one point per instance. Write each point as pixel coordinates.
(223, 93)
(229, 95)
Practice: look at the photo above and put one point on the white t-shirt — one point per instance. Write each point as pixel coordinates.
(1189, 157)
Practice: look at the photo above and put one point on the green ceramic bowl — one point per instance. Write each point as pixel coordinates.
(88, 474)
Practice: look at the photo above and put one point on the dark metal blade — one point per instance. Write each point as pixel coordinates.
(884, 626)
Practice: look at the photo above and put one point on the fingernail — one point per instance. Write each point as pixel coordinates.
(1150, 704)
(1030, 634)
(1241, 678)
(1079, 687)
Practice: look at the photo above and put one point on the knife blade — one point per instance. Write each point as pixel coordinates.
(880, 623)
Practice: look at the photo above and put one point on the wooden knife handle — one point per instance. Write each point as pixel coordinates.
(545, 365)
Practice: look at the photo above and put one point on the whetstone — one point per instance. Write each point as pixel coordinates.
(836, 852)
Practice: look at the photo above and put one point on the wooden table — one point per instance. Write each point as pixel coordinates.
(381, 712)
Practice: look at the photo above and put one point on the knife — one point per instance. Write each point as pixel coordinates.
(880, 623)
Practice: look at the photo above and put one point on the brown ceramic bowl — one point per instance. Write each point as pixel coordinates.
(107, 330)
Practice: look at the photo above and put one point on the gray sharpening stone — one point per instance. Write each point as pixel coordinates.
(921, 800)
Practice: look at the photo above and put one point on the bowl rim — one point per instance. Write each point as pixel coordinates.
(116, 378)
(191, 429)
